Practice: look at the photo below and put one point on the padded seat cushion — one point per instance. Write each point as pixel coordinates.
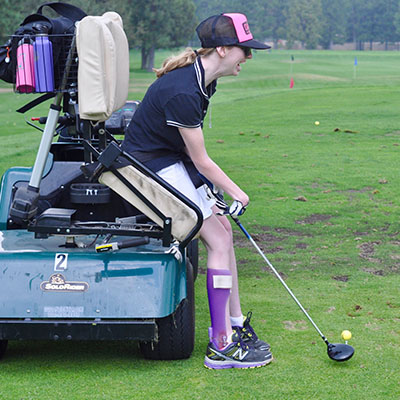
(184, 219)
(103, 68)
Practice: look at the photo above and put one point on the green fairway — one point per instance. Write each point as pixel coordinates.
(324, 207)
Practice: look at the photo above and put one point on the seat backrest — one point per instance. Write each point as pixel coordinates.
(103, 68)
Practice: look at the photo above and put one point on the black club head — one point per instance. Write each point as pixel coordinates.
(340, 351)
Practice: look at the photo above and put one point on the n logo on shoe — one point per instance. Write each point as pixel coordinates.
(240, 354)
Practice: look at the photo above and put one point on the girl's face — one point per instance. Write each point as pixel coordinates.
(234, 57)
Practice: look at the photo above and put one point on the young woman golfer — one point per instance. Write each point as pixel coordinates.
(166, 135)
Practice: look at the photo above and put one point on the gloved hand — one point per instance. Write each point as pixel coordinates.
(213, 191)
(217, 194)
(235, 209)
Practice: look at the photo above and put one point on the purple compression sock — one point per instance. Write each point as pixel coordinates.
(219, 284)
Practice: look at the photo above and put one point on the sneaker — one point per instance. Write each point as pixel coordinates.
(236, 355)
(249, 336)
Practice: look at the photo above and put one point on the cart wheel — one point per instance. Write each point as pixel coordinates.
(3, 348)
(176, 331)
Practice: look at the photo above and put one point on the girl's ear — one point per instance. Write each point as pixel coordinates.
(221, 50)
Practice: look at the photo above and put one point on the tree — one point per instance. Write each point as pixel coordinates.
(396, 23)
(160, 24)
(353, 21)
(334, 16)
(277, 11)
(387, 31)
(12, 16)
(359, 22)
(304, 22)
(13, 13)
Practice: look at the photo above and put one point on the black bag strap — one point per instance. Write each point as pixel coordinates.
(35, 102)
(66, 10)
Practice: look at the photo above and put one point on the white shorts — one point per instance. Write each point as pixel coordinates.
(177, 176)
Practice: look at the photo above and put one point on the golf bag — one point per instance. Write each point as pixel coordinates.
(37, 24)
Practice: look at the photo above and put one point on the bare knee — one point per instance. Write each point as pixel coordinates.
(217, 240)
(220, 243)
(227, 226)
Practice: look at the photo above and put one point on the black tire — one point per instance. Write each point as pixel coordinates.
(193, 255)
(3, 348)
(176, 331)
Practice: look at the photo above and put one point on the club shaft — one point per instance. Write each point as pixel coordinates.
(279, 277)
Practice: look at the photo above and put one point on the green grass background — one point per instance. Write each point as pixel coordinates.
(339, 250)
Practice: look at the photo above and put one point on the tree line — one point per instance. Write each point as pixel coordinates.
(315, 22)
(154, 24)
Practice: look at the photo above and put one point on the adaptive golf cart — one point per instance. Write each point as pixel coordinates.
(93, 245)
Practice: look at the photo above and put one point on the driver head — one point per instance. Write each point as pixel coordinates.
(340, 351)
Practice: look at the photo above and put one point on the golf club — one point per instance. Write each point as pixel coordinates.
(336, 351)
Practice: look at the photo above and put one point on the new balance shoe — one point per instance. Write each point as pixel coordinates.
(236, 355)
(248, 335)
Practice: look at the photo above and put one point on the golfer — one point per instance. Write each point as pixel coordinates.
(166, 135)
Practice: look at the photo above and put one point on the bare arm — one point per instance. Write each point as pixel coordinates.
(194, 141)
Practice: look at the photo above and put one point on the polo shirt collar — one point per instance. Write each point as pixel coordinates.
(210, 89)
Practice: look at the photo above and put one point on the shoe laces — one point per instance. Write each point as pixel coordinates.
(247, 329)
(238, 339)
(243, 345)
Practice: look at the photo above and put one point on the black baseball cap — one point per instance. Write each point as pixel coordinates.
(227, 30)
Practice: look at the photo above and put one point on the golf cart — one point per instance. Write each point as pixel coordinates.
(93, 245)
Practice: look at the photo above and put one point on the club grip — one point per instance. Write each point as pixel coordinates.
(124, 244)
(133, 242)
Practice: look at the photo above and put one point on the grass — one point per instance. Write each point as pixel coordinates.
(324, 207)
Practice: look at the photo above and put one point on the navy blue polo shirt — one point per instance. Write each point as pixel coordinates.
(177, 99)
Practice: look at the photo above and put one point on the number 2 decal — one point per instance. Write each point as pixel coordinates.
(60, 262)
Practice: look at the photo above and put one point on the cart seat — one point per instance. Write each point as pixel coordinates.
(103, 76)
(184, 217)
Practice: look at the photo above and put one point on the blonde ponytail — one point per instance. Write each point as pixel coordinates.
(187, 57)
